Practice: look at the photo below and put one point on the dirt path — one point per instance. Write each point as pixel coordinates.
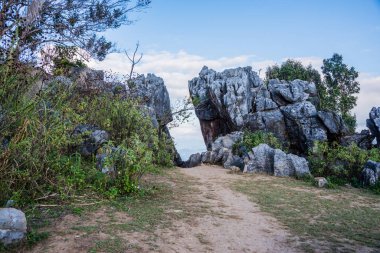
(235, 224)
(202, 215)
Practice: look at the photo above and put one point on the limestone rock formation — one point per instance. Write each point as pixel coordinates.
(12, 225)
(149, 90)
(237, 99)
(373, 123)
(371, 173)
(152, 91)
(264, 159)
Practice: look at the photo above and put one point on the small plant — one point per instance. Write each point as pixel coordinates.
(253, 139)
(340, 164)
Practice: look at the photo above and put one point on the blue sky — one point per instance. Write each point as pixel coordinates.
(179, 37)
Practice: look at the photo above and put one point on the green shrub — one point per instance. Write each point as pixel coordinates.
(338, 163)
(253, 139)
(40, 159)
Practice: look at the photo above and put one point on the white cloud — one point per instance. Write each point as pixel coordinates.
(175, 68)
(178, 68)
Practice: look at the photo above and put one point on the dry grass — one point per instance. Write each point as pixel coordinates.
(341, 219)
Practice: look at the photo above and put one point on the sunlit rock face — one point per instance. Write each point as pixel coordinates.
(237, 99)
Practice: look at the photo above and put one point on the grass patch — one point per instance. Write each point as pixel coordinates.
(162, 199)
(339, 217)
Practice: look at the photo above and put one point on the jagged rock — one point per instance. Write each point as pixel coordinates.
(226, 141)
(12, 225)
(363, 140)
(302, 125)
(261, 160)
(284, 92)
(264, 159)
(221, 151)
(222, 99)
(194, 160)
(93, 138)
(334, 124)
(373, 123)
(371, 173)
(237, 99)
(321, 182)
(152, 91)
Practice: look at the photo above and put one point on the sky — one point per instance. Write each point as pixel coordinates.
(177, 38)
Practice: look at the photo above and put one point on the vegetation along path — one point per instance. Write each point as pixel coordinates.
(208, 209)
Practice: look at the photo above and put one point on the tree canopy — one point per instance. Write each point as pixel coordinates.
(336, 88)
(27, 26)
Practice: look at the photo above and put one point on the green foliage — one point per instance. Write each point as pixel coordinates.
(33, 237)
(336, 91)
(338, 163)
(40, 158)
(341, 87)
(253, 139)
(60, 22)
(64, 59)
(196, 101)
(292, 69)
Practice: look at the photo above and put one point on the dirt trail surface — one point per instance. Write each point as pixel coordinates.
(202, 214)
(235, 224)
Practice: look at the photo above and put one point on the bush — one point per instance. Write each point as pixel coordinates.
(338, 163)
(38, 158)
(253, 139)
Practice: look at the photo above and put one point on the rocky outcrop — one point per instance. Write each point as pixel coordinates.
(12, 226)
(371, 173)
(373, 123)
(264, 159)
(237, 99)
(152, 91)
(149, 90)
(363, 140)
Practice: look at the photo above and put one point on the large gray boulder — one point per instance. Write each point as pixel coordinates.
(264, 159)
(371, 173)
(373, 123)
(261, 160)
(12, 226)
(237, 99)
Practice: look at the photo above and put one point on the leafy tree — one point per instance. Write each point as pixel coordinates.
(336, 90)
(27, 26)
(292, 69)
(341, 87)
